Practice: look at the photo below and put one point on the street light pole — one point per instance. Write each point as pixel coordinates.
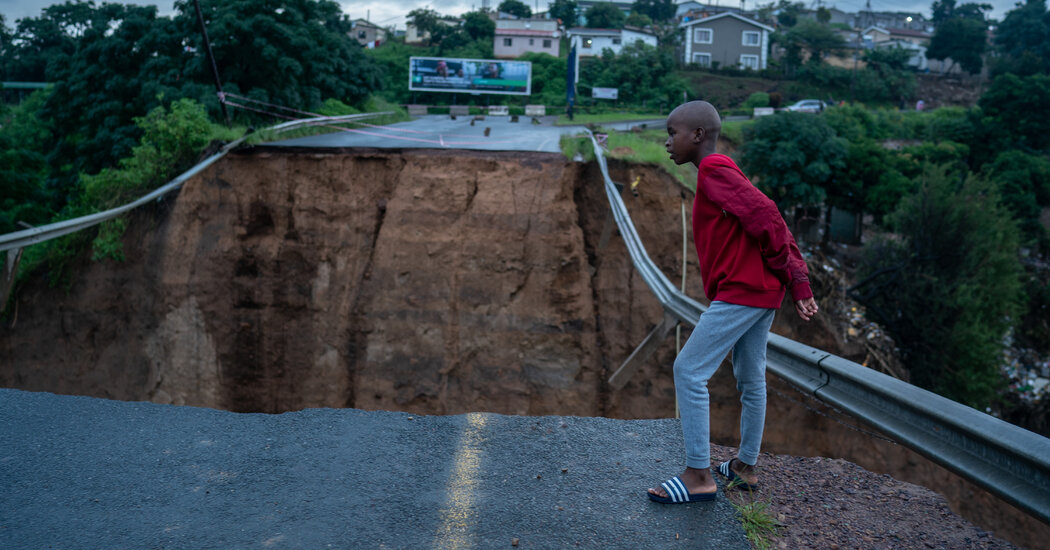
(211, 59)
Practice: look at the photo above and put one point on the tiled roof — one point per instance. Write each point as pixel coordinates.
(526, 32)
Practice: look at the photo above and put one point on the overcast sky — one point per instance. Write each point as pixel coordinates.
(393, 12)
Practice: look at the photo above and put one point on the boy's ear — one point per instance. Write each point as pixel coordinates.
(698, 135)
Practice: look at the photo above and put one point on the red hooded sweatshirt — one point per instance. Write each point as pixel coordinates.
(747, 254)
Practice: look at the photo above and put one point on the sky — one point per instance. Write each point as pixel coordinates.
(388, 12)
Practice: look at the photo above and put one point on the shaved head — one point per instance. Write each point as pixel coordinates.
(697, 114)
(692, 132)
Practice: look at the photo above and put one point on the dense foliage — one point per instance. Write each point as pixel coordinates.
(951, 287)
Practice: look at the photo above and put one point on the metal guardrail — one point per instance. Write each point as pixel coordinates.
(20, 239)
(1007, 461)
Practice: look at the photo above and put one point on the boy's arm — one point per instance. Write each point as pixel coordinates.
(761, 219)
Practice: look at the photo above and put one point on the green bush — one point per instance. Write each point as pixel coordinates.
(793, 157)
(757, 99)
(950, 288)
(1024, 181)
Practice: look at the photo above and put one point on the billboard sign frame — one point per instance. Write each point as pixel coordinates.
(468, 76)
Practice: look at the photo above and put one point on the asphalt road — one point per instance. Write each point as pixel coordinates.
(443, 132)
(81, 472)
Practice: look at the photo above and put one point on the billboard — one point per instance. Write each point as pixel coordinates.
(472, 76)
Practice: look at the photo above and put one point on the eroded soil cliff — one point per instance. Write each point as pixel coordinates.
(415, 280)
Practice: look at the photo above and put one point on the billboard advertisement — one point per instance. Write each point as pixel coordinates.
(472, 76)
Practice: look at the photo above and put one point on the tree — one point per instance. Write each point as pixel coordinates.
(1010, 105)
(655, 10)
(1024, 181)
(961, 34)
(644, 75)
(787, 12)
(566, 11)
(814, 38)
(517, 8)
(949, 289)
(793, 158)
(605, 15)
(639, 20)
(479, 26)
(425, 20)
(891, 66)
(1023, 39)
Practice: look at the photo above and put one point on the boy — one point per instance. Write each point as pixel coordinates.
(747, 258)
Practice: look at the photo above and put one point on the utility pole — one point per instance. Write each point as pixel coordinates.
(211, 58)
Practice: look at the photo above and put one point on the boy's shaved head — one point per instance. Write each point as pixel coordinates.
(692, 132)
(698, 114)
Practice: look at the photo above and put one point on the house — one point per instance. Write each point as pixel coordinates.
(727, 39)
(518, 36)
(874, 36)
(591, 42)
(367, 33)
(894, 20)
(917, 52)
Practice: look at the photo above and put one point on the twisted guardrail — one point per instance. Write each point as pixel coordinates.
(20, 239)
(1007, 461)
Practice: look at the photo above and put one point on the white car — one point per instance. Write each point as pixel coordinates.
(807, 106)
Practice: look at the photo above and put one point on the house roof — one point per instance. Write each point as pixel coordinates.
(723, 15)
(876, 28)
(908, 32)
(606, 32)
(526, 32)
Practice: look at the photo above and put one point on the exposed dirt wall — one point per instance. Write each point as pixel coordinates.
(415, 280)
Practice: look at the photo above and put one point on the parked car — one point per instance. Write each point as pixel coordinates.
(807, 106)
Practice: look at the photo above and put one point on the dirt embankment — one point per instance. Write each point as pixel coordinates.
(416, 281)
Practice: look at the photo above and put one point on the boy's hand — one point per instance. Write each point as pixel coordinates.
(806, 309)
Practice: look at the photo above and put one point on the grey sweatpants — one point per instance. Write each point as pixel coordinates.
(723, 327)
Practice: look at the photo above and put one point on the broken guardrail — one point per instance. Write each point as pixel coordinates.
(1007, 461)
(13, 243)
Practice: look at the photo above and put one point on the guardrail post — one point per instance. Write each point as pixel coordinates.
(643, 351)
(14, 256)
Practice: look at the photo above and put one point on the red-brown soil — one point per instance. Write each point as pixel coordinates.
(419, 281)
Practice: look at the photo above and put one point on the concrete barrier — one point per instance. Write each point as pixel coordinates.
(498, 110)
(535, 110)
(417, 110)
(458, 110)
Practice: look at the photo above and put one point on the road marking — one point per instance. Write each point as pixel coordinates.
(456, 529)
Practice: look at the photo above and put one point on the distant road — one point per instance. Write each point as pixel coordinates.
(442, 132)
(80, 472)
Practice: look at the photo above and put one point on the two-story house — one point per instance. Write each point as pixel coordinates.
(591, 42)
(517, 36)
(727, 39)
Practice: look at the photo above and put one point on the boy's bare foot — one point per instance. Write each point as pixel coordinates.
(696, 481)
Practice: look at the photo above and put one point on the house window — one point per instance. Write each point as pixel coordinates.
(587, 42)
(703, 36)
(507, 42)
(362, 35)
(616, 41)
(547, 44)
(532, 41)
(752, 38)
(702, 59)
(749, 62)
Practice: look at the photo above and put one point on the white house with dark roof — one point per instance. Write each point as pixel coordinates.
(728, 40)
(515, 37)
(591, 42)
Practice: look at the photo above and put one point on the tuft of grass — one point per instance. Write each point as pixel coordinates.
(759, 524)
